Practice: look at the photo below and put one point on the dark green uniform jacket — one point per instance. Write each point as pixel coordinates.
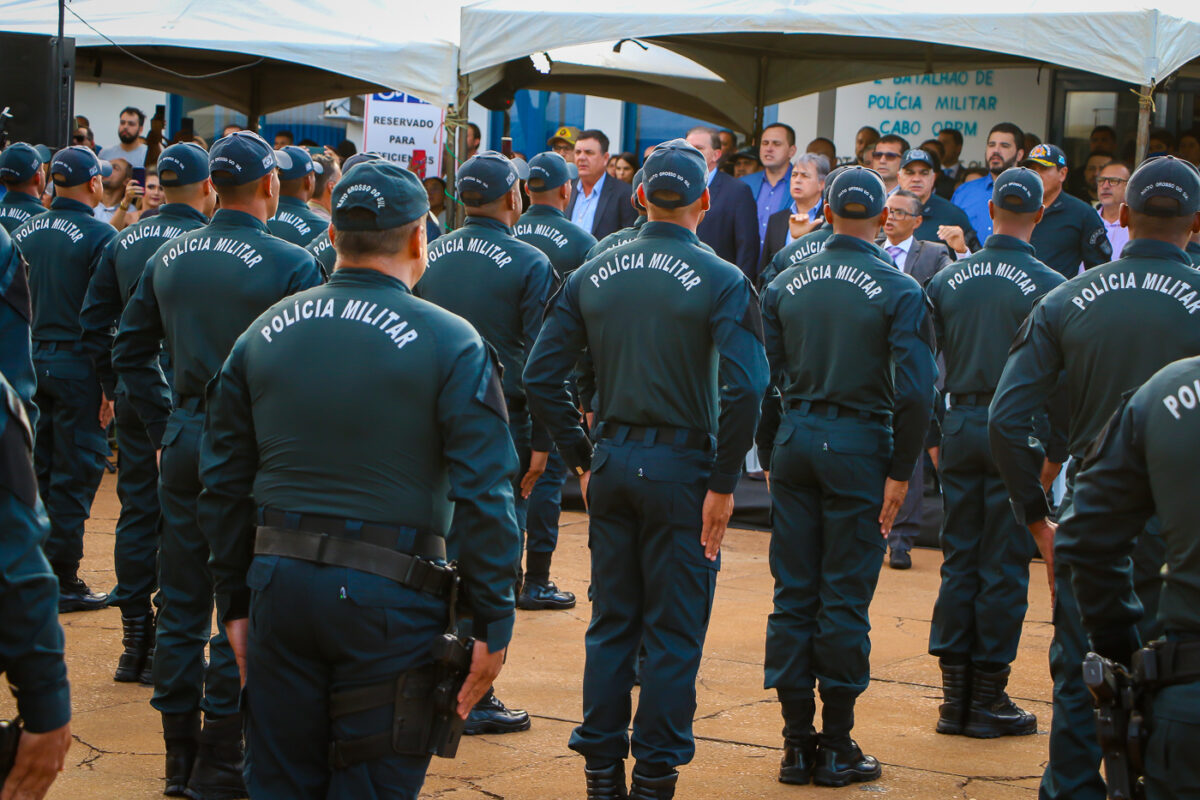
(940, 211)
(1193, 251)
(16, 208)
(322, 250)
(661, 317)
(63, 248)
(16, 361)
(617, 238)
(31, 649)
(295, 222)
(846, 327)
(358, 401)
(809, 244)
(117, 274)
(198, 293)
(1071, 232)
(551, 231)
(1143, 464)
(1109, 330)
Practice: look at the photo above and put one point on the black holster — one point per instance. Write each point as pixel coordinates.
(10, 738)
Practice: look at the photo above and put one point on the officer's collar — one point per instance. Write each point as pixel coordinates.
(182, 210)
(1002, 241)
(13, 197)
(67, 204)
(294, 202)
(543, 210)
(840, 241)
(488, 222)
(357, 276)
(238, 219)
(1194, 248)
(1154, 248)
(640, 221)
(667, 230)
(1058, 202)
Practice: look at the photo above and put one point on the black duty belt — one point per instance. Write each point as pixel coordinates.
(976, 399)
(681, 437)
(820, 408)
(1168, 662)
(193, 404)
(401, 554)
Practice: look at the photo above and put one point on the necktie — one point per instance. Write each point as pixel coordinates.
(894, 251)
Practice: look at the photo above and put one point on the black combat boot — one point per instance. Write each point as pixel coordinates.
(992, 713)
(180, 732)
(799, 739)
(952, 714)
(491, 716)
(146, 678)
(217, 774)
(74, 595)
(606, 783)
(138, 638)
(657, 787)
(840, 761)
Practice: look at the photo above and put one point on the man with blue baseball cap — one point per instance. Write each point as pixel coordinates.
(380, 452)
(295, 221)
(24, 180)
(63, 247)
(197, 293)
(1095, 338)
(547, 227)
(979, 303)
(1071, 235)
(660, 317)
(321, 247)
(850, 344)
(183, 172)
(500, 285)
(942, 221)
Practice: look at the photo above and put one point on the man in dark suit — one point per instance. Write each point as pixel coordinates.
(806, 212)
(599, 204)
(730, 226)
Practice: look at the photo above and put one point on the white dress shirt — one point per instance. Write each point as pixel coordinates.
(899, 252)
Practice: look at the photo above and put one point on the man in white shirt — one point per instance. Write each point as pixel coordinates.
(1110, 188)
(129, 130)
(114, 191)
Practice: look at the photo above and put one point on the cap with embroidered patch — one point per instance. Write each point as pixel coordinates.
(394, 196)
(674, 175)
(917, 156)
(1019, 190)
(20, 161)
(857, 193)
(1164, 186)
(548, 171)
(488, 176)
(244, 156)
(567, 133)
(302, 164)
(1046, 155)
(182, 164)
(77, 164)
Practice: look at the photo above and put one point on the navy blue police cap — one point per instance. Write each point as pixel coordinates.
(488, 176)
(637, 181)
(857, 193)
(675, 175)
(1164, 186)
(917, 156)
(302, 164)
(182, 164)
(548, 171)
(1046, 155)
(244, 156)
(393, 196)
(829, 183)
(358, 158)
(20, 161)
(1018, 189)
(77, 164)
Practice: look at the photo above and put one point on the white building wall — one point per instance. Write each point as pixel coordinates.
(101, 103)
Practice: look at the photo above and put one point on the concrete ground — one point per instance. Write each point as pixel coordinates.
(118, 752)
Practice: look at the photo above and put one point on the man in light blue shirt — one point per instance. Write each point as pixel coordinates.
(584, 214)
(770, 186)
(1005, 147)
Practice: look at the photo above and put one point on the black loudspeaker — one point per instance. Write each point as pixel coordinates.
(518, 74)
(37, 85)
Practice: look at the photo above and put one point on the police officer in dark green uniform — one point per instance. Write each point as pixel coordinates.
(1193, 250)
(321, 247)
(809, 244)
(1106, 331)
(1145, 465)
(31, 650)
(978, 305)
(198, 292)
(294, 221)
(664, 315)
(501, 286)
(23, 178)
(850, 345)
(376, 461)
(1071, 233)
(16, 354)
(183, 172)
(918, 174)
(624, 235)
(547, 228)
(63, 247)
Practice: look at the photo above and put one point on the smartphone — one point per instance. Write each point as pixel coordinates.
(417, 163)
(160, 112)
(187, 129)
(316, 151)
(139, 175)
(506, 146)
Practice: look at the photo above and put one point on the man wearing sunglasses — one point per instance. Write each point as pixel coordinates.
(886, 158)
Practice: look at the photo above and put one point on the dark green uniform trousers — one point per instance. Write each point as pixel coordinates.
(1073, 772)
(985, 568)
(181, 681)
(827, 477)
(651, 583)
(315, 630)
(1173, 753)
(545, 506)
(69, 449)
(135, 555)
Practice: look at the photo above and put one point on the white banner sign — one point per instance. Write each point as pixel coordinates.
(405, 130)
